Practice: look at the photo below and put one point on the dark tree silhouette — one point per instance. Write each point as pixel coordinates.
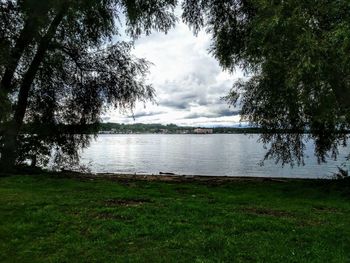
(61, 68)
(296, 56)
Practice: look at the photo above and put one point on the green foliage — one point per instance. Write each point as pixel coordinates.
(60, 66)
(296, 56)
(70, 220)
(145, 16)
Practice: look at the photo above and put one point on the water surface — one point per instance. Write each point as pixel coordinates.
(216, 154)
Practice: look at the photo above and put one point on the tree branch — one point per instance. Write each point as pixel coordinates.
(29, 31)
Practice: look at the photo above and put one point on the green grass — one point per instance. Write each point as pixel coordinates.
(43, 219)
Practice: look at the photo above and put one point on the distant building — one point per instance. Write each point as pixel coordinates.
(164, 131)
(203, 131)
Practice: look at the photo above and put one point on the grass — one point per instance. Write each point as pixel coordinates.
(45, 219)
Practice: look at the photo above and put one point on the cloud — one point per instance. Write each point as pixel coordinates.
(176, 104)
(189, 82)
(214, 114)
(145, 114)
(198, 115)
(228, 112)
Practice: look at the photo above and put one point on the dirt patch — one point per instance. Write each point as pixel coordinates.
(267, 212)
(126, 202)
(324, 209)
(106, 215)
(310, 222)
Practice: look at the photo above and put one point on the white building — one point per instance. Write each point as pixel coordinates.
(203, 131)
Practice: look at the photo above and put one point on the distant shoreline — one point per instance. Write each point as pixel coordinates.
(141, 128)
(147, 133)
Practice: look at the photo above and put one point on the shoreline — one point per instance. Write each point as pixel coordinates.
(165, 177)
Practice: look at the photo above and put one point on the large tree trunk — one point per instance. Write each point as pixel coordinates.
(9, 154)
(26, 36)
(32, 24)
(30, 29)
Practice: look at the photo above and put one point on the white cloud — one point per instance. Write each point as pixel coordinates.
(187, 80)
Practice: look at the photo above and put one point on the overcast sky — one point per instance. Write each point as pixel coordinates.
(189, 82)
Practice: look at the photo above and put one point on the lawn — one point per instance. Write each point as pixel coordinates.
(47, 219)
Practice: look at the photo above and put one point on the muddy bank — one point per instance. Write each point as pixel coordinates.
(170, 177)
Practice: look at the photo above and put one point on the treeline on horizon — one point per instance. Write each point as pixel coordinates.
(169, 128)
(122, 128)
(173, 128)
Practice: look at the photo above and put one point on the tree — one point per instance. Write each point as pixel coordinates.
(296, 57)
(61, 68)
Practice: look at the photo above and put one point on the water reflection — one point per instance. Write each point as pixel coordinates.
(217, 154)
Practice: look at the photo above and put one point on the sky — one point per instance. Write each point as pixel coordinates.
(188, 81)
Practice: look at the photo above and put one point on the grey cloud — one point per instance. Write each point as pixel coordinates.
(189, 96)
(198, 115)
(198, 96)
(145, 114)
(213, 114)
(193, 89)
(105, 118)
(175, 104)
(185, 99)
(206, 72)
(193, 80)
(179, 99)
(227, 112)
